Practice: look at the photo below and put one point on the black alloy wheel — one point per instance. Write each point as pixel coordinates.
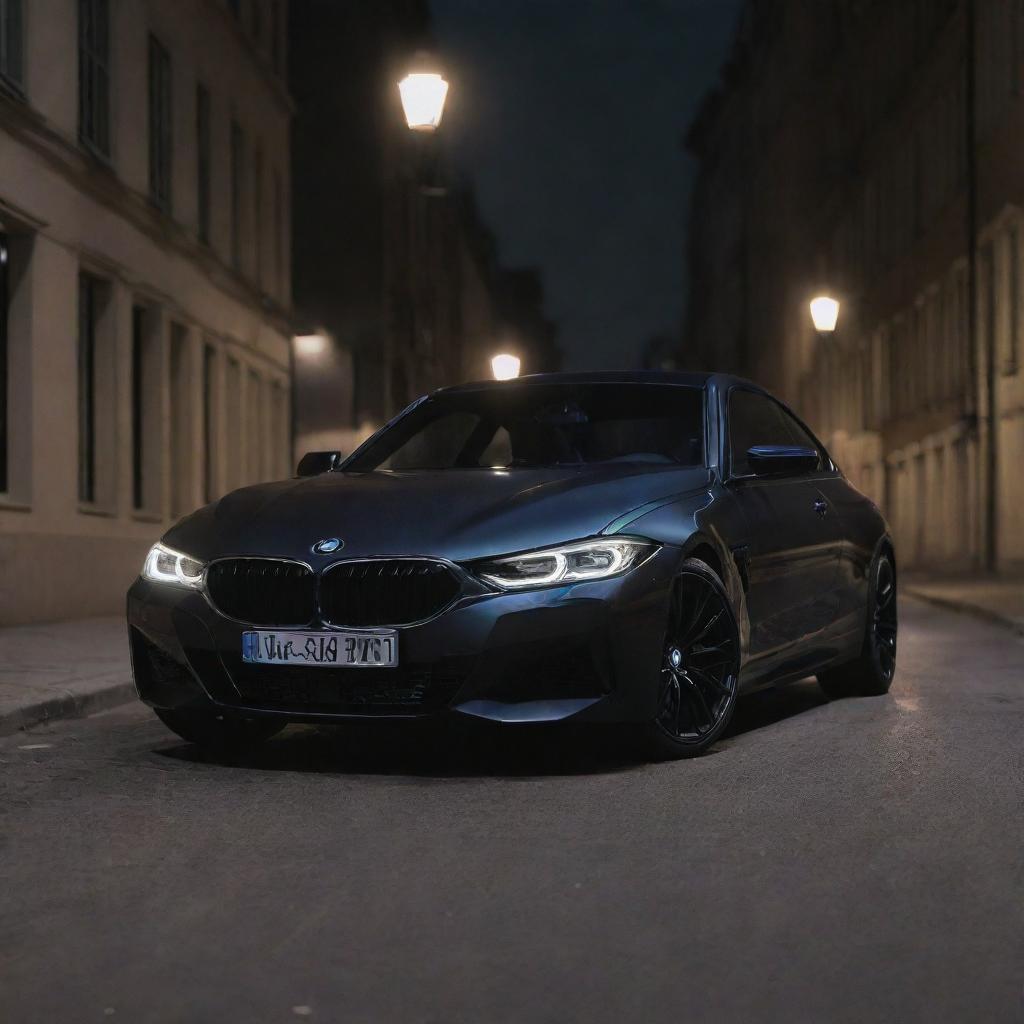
(700, 664)
(871, 673)
(883, 620)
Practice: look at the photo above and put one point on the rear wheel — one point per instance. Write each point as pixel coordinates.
(700, 666)
(871, 674)
(218, 732)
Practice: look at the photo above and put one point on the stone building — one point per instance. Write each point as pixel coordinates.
(144, 281)
(864, 149)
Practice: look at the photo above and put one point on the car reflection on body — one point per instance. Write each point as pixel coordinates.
(634, 548)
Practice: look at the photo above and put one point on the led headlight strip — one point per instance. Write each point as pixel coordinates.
(165, 565)
(596, 559)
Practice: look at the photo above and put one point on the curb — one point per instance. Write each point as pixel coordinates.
(71, 705)
(962, 607)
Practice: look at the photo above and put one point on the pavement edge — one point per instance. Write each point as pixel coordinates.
(966, 608)
(68, 705)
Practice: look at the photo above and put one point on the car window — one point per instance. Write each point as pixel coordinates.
(437, 444)
(756, 419)
(530, 425)
(798, 435)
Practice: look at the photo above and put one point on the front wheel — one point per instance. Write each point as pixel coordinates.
(871, 674)
(699, 668)
(215, 732)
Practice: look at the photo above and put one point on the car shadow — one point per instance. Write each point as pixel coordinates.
(431, 750)
(774, 704)
(471, 749)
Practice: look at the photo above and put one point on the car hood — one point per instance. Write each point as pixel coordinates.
(454, 514)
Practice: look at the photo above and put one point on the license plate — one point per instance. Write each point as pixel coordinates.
(353, 650)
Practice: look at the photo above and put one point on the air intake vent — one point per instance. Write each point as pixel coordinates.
(263, 591)
(385, 592)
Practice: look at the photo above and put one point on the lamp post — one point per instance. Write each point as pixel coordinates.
(505, 366)
(824, 313)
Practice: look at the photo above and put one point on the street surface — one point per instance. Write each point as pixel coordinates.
(855, 861)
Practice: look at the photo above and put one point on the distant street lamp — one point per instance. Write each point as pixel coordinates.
(310, 346)
(423, 95)
(505, 366)
(824, 313)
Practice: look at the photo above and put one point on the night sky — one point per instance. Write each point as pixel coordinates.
(568, 116)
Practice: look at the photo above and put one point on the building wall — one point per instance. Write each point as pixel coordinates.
(851, 124)
(190, 379)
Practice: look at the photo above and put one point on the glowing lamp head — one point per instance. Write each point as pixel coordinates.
(423, 96)
(824, 313)
(310, 346)
(505, 366)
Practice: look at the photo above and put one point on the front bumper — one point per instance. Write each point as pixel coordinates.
(589, 651)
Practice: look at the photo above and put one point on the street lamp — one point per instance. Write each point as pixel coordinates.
(505, 366)
(824, 313)
(310, 346)
(423, 95)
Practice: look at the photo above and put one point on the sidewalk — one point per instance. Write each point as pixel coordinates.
(991, 598)
(62, 670)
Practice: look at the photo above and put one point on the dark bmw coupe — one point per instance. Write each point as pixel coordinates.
(621, 548)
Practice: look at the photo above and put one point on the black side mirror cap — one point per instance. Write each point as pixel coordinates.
(315, 463)
(782, 459)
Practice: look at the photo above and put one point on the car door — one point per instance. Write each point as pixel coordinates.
(792, 535)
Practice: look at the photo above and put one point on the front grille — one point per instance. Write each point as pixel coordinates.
(263, 591)
(354, 691)
(385, 592)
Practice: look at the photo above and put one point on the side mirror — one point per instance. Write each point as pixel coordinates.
(315, 463)
(782, 459)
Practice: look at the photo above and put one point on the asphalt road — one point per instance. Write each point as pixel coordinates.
(855, 861)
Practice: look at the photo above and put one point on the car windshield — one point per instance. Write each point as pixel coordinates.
(530, 425)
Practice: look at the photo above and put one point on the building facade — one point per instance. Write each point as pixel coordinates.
(144, 281)
(872, 151)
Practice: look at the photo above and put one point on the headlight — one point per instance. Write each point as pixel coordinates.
(596, 559)
(164, 565)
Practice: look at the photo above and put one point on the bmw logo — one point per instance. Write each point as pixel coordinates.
(328, 546)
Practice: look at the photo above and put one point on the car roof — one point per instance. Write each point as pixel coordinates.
(679, 378)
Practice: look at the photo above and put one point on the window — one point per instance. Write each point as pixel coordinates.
(546, 425)
(1013, 269)
(256, 408)
(88, 318)
(756, 419)
(145, 397)
(138, 341)
(203, 163)
(209, 442)
(94, 75)
(12, 45)
(237, 154)
(279, 441)
(276, 36)
(181, 422)
(279, 261)
(233, 423)
(5, 299)
(160, 132)
(257, 222)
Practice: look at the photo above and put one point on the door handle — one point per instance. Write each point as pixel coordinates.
(821, 507)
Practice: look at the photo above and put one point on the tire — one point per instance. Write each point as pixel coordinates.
(699, 669)
(215, 732)
(871, 673)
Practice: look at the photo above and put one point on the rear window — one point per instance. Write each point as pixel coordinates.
(531, 425)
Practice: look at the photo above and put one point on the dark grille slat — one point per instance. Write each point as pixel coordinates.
(263, 591)
(385, 592)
